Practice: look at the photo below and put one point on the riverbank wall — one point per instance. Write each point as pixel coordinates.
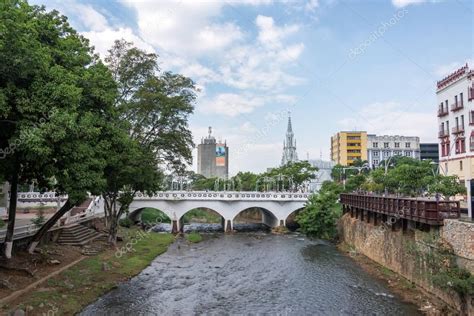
(413, 253)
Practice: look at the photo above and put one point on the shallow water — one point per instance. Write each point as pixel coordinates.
(252, 273)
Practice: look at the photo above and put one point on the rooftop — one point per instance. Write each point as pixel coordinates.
(453, 77)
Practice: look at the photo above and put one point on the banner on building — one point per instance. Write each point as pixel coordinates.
(220, 154)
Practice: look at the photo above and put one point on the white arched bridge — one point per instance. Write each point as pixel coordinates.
(276, 207)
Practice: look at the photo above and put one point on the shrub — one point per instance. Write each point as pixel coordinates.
(194, 237)
(319, 217)
(39, 220)
(126, 222)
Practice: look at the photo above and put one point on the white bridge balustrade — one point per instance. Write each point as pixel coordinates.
(275, 206)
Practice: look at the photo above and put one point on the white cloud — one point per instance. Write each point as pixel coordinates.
(312, 5)
(90, 18)
(270, 34)
(404, 3)
(390, 118)
(231, 104)
(103, 40)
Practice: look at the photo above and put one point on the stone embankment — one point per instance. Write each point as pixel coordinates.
(413, 253)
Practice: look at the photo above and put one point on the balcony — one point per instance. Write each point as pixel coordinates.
(443, 134)
(442, 112)
(457, 106)
(458, 129)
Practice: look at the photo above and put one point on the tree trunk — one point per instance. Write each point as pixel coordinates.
(47, 226)
(12, 212)
(113, 230)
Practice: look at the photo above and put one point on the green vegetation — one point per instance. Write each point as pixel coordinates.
(440, 261)
(194, 237)
(291, 176)
(39, 220)
(73, 289)
(76, 124)
(2, 223)
(404, 176)
(126, 222)
(319, 217)
(202, 216)
(153, 216)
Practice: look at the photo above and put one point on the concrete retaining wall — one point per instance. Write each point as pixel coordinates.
(391, 249)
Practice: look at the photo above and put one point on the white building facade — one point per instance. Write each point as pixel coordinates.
(455, 96)
(380, 148)
(323, 173)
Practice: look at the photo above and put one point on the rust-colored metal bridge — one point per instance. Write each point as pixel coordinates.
(418, 210)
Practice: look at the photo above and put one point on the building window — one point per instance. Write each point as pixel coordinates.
(376, 162)
(462, 99)
(407, 145)
(375, 145)
(397, 145)
(460, 165)
(385, 145)
(455, 100)
(471, 143)
(386, 153)
(376, 153)
(397, 153)
(446, 167)
(407, 154)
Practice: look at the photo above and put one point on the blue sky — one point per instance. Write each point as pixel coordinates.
(336, 65)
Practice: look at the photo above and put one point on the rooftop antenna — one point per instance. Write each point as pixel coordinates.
(210, 131)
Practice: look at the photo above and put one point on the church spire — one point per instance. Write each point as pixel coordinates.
(289, 145)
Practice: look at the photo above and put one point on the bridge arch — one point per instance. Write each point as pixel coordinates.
(267, 217)
(160, 216)
(290, 221)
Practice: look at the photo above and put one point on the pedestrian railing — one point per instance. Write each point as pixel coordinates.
(417, 209)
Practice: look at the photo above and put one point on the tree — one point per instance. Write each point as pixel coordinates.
(319, 217)
(154, 108)
(447, 186)
(245, 181)
(292, 175)
(50, 87)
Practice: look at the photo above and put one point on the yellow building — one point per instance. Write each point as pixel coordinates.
(347, 146)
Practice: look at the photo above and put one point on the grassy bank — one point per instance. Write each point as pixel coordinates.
(73, 289)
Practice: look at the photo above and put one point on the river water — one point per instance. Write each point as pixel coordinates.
(252, 273)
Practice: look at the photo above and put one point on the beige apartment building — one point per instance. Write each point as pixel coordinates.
(455, 95)
(347, 146)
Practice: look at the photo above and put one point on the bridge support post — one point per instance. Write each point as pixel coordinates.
(362, 215)
(282, 223)
(229, 226)
(175, 227)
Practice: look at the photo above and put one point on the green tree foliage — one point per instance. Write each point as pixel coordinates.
(293, 174)
(153, 130)
(319, 217)
(51, 89)
(447, 186)
(245, 181)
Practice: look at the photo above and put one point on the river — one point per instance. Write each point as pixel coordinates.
(252, 273)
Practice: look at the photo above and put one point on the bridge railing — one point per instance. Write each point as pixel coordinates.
(224, 195)
(420, 210)
(95, 209)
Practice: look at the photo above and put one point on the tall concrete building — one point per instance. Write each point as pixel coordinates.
(347, 146)
(213, 157)
(289, 145)
(455, 95)
(383, 147)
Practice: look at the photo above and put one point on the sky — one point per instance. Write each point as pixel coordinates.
(334, 64)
